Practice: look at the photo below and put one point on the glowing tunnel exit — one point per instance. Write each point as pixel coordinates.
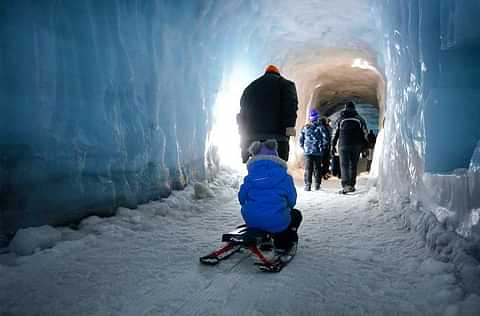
(224, 134)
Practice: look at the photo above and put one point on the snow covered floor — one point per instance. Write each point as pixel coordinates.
(353, 259)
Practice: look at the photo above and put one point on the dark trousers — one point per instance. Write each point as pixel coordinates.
(335, 163)
(326, 162)
(285, 239)
(349, 156)
(313, 167)
(283, 150)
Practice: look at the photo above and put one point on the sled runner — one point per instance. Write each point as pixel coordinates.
(255, 241)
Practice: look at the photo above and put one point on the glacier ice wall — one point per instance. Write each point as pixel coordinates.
(431, 53)
(105, 103)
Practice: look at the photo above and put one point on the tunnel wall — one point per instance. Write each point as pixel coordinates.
(110, 103)
(431, 53)
(106, 103)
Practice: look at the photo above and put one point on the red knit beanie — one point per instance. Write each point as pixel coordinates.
(273, 69)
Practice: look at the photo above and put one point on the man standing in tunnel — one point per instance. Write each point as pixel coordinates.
(268, 110)
(351, 135)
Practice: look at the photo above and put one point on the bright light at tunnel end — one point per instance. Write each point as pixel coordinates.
(224, 133)
(362, 64)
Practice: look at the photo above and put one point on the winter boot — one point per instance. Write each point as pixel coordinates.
(347, 189)
(278, 252)
(285, 255)
(308, 187)
(266, 245)
(316, 186)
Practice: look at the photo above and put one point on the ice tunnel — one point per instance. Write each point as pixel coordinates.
(113, 103)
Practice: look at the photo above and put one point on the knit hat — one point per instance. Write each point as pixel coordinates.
(268, 147)
(314, 115)
(272, 69)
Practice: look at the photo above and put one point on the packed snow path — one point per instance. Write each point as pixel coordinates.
(353, 259)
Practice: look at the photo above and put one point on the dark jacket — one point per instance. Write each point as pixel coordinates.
(371, 140)
(350, 130)
(267, 107)
(267, 194)
(314, 139)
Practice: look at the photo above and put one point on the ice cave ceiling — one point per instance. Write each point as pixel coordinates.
(329, 48)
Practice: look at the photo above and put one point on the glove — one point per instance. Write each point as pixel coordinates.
(290, 131)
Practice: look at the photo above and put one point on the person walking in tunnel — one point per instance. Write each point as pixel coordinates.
(268, 196)
(315, 141)
(351, 135)
(268, 110)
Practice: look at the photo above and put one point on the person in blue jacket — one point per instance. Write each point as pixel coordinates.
(268, 195)
(315, 142)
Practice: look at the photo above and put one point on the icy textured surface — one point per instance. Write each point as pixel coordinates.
(145, 262)
(475, 161)
(432, 115)
(454, 199)
(201, 191)
(28, 240)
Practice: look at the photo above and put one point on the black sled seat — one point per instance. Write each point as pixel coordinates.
(247, 237)
(244, 237)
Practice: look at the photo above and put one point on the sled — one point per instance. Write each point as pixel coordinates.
(254, 240)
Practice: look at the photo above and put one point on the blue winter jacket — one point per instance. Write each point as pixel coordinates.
(314, 139)
(267, 194)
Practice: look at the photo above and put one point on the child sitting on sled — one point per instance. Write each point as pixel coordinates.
(268, 196)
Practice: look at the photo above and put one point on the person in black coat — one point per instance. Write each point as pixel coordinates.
(326, 156)
(268, 110)
(351, 135)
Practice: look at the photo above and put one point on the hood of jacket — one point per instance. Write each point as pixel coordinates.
(265, 171)
(348, 113)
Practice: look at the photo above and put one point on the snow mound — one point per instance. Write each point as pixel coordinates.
(28, 240)
(432, 266)
(202, 191)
